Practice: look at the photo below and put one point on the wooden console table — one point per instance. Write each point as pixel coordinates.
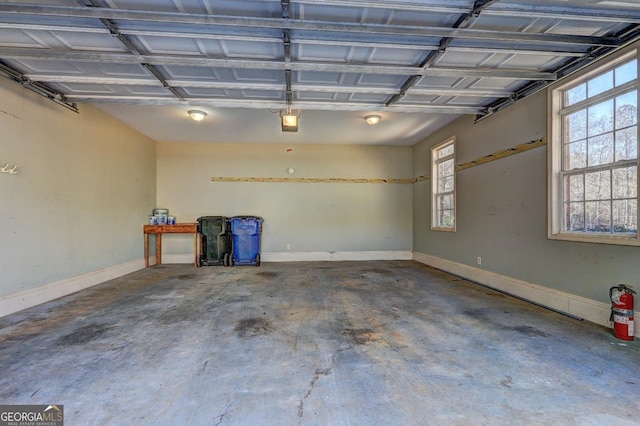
(158, 230)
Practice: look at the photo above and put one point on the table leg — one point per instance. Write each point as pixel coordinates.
(195, 249)
(146, 250)
(159, 249)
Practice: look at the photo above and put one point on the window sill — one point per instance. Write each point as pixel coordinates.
(597, 239)
(443, 229)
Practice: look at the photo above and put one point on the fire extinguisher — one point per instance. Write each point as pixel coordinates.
(622, 311)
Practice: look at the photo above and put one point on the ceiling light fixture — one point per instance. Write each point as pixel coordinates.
(289, 120)
(372, 120)
(197, 115)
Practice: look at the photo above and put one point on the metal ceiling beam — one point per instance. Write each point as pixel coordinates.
(294, 24)
(53, 27)
(116, 81)
(440, 91)
(409, 7)
(462, 22)
(500, 51)
(325, 39)
(624, 16)
(285, 5)
(113, 30)
(286, 46)
(81, 79)
(154, 72)
(627, 36)
(536, 11)
(261, 104)
(168, 60)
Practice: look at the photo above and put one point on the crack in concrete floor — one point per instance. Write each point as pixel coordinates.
(313, 343)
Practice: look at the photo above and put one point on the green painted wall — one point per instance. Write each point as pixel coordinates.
(502, 210)
(311, 217)
(84, 187)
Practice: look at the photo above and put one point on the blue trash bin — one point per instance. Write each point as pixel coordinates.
(245, 236)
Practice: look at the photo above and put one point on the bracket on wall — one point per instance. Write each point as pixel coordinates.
(7, 168)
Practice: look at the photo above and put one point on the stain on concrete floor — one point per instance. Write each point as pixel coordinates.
(83, 334)
(250, 327)
(313, 343)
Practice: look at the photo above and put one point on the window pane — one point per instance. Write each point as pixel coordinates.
(447, 150)
(597, 216)
(600, 150)
(445, 201)
(445, 184)
(625, 182)
(575, 155)
(627, 72)
(625, 214)
(627, 110)
(445, 168)
(575, 188)
(577, 94)
(575, 217)
(576, 126)
(597, 185)
(627, 144)
(598, 174)
(446, 218)
(601, 118)
(600, 84)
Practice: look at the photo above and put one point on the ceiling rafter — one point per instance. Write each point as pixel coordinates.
(462, 22)
(119, 81)
(286, 46)
(294, 24)
(330, 39)
(113, 30)
(110, 57)
(557, 12)
(536, 11)
(470, 57)
(125, 58)
(276, 104)
(626, 36)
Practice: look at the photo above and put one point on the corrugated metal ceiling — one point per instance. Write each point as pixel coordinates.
(410, 56)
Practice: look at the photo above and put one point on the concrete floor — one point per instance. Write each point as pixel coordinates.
(340, 343)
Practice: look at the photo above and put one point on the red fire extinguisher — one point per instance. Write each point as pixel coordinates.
(622, 311)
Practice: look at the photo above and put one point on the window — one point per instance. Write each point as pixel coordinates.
(443, 186)
(593, 147)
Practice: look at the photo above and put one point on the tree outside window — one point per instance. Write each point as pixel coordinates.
(594, 156)
(443, 212)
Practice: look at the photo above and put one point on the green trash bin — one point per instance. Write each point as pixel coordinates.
(215, 237)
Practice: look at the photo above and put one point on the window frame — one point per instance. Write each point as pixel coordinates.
(435, 180)
(556, 173)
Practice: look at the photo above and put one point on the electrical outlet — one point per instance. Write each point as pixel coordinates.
(479, 260)
(288, 246)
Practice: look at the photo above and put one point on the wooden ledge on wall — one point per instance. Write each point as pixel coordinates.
(463, 166)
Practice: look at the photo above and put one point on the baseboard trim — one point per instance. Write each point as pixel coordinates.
(176, 258)
(571, 304)
(330, 256)
(308, 256)
(26, 299)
